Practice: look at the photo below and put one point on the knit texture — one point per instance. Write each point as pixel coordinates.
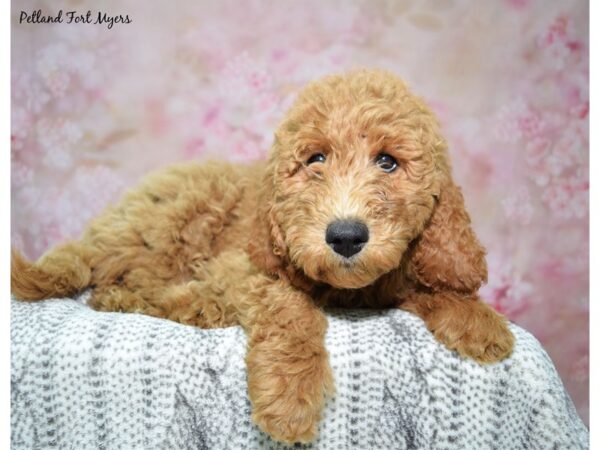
(82, 379)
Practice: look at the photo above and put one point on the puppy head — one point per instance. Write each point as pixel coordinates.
(356, 175)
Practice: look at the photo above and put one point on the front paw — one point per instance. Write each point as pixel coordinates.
(288, 397)
(482, 334)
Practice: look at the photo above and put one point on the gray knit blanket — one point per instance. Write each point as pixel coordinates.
(82, 379)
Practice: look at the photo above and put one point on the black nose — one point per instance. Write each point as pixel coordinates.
(347, 237)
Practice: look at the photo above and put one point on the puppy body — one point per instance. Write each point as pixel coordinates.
(159, 237)
(216, 244)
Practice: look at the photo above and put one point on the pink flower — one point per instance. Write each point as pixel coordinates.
(194, 148)
(21, 174)
(518, 207)
(581, 110)
(61, 212)
(28, 94)
(561, 30)
(58, 140)
(507, 289)
(246, 150)
(244, 76)
(557, 153)
(558, 42)
(518, 120)
(536, 151)
(568, 198)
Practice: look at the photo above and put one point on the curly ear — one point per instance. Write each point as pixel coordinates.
(447, 254)
(266, 247)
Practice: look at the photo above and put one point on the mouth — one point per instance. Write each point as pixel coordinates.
(348, 264)
(345, 273)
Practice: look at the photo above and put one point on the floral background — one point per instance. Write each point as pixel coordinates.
(94, 108)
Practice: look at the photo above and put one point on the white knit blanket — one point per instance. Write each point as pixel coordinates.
(88, 380)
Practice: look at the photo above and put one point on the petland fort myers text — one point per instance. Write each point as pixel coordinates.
(70, 17)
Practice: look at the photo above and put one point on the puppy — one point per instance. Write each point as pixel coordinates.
(356, 207)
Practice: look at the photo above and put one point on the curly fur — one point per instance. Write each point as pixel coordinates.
(214, 245)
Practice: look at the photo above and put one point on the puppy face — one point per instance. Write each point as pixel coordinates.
(356, 168)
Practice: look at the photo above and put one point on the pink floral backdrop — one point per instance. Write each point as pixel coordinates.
(94, 108)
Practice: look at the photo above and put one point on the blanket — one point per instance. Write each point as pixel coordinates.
(83, 379)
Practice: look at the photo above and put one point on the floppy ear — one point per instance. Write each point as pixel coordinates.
(266, 247)
(447, 254)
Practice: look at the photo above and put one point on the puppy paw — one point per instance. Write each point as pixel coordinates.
(483, 335)
(288, 398)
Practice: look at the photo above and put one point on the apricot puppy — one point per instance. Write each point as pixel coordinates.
(356, 207)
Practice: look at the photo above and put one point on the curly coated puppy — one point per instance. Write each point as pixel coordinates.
(356, 207)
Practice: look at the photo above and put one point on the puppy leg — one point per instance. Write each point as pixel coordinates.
(463, 323)
(120, 299)
(288, 368)
(61, 272)
(209, 301)
(187, 303)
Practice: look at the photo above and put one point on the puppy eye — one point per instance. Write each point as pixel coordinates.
(316, 158)
(387, 163)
